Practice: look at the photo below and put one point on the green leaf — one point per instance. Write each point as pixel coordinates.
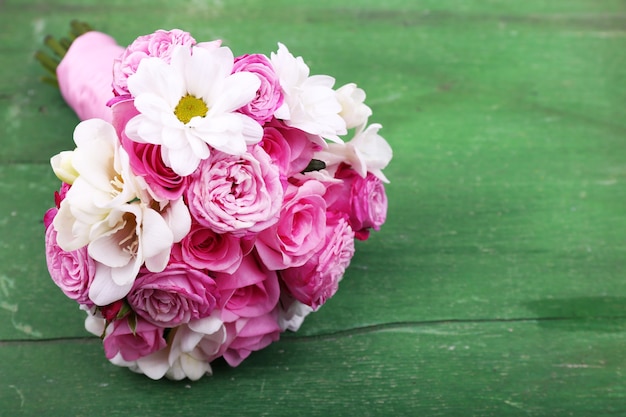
(314, 165)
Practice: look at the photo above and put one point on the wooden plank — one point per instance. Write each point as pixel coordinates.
(545, 368)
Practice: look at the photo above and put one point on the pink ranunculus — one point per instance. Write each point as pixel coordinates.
(145, 158)
(290, 148)
(251, 291)
(174, 296)
(317, 280)
(238, 194)
(159, 44)
(133, 343)
(362, 199)
(300, 230)
(269, 96)
(85, 77)
(247, 335)
(72, 271)
(218, 252)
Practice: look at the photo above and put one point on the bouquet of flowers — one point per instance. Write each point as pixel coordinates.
(211, 202)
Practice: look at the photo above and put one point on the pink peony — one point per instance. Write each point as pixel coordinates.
(84, 75)
(237, 194)
(72, 271)
(145, 158)
(174, 296)
(133, 343)
(247, 335)
(205, 249)
(362, 199)
(269, 96)
(291, 149)
(159, 44)
(251, 291)
(317, 280)
(300, 230)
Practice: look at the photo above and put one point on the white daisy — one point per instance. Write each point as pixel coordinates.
(188, 106)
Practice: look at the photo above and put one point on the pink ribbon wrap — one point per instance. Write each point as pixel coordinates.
(85, 75)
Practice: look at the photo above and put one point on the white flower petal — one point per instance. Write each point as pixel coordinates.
(127, 273)
(62, 166)
(156, 235)
(353, 109)
(106, 250)
(104, 290)
(205, 65)
(206, 325)
(94, 325)
(153, 105)
(252, 131)
(95, 152)
(182, 161)
(194, 368)
(178, 219)
(154, 76)
(237, 90)
(70, 235)
(155, 365)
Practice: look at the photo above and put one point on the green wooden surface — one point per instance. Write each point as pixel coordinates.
(497, 286)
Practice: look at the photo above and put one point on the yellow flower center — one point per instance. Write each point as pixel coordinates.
(189, 107)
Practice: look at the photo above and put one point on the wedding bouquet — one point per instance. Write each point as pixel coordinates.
(211, 202)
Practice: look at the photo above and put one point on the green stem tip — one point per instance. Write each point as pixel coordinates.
(57, 48)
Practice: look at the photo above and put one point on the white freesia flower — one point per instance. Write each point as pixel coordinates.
(104, 210)
(366, 152)
(189, 104)
(310, 102)
(102, 182)
(353, 109)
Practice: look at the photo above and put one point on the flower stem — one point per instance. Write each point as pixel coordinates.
(50, 59)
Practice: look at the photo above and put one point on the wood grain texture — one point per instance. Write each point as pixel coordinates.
(496, 288)
(540, 368)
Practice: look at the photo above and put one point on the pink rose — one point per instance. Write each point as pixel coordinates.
(269, 96)
(362, 199)
(85, 77)
(237, 194)
(72, 271)
(290, 148)
(300, 231)
(220, 252)
(174, 296)
(159, 44)
(317, 280)
(247, 335)
(250, 291)
(145, 158)
(145, 338)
